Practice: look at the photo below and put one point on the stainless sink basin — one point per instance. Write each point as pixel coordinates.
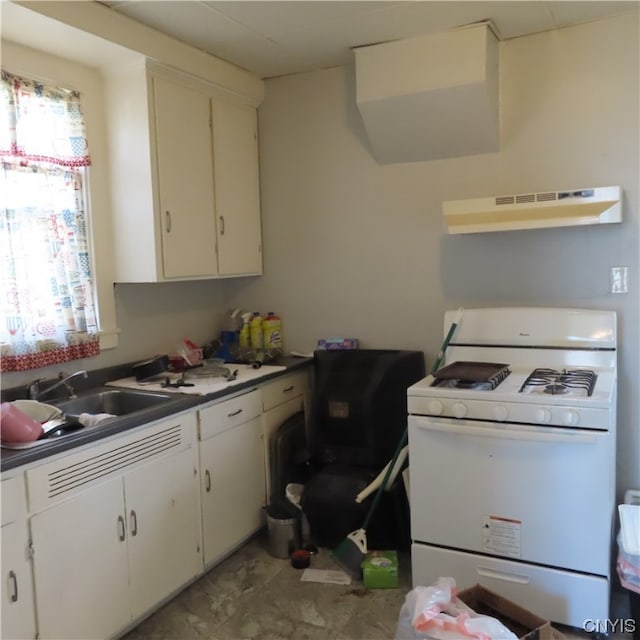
(117, 402)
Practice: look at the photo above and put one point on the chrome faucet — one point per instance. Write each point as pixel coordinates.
(35, 393)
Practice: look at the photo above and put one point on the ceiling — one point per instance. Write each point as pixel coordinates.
(273, 38)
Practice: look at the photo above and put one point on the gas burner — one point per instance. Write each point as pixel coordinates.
(561, 382)
(555, 389)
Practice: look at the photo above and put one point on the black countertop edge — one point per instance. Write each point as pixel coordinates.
(13, 458)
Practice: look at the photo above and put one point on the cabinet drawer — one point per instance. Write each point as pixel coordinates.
(229, 413)
(13, 499)
(283, 389)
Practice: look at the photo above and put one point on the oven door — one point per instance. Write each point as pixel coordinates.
(536, 494)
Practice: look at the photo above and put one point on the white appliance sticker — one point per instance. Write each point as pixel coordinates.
(502, 536)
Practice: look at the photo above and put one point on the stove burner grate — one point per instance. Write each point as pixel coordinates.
(559, 382)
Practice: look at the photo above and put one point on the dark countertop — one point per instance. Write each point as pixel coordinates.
(11, 458)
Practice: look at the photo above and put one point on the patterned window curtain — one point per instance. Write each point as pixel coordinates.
(47, 300)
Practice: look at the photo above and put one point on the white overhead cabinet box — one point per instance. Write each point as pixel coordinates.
(184, 168)
(430, 97)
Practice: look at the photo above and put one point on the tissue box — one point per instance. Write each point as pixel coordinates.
(338, 343)
(380, 570)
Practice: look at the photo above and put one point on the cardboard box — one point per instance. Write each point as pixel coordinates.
(380, 570)
(525, 624)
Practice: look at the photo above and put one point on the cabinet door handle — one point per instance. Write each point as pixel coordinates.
(207, 483)
(221, 225)
(121, 529)
(133, 518)
(167, 217)
(288, 389)
(234, 413)
(14, 580)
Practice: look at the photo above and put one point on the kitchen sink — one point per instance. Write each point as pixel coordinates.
(117, 402)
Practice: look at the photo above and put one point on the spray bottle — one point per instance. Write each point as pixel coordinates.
(244, 338)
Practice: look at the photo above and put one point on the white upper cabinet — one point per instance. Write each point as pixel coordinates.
(185, 180)
(184, 169)
(237, 193)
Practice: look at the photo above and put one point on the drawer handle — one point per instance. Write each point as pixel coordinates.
(121, 529)
(503, 575)
(221, 225)
(234, 413)
(133, 517)
(167, 215)
(207, 484)
(291, 388)
(14, 580)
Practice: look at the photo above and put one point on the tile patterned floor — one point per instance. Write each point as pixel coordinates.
(253, 596)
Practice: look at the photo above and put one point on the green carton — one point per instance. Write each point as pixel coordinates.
(380, 570)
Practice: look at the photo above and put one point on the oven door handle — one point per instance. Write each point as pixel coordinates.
(532, 434)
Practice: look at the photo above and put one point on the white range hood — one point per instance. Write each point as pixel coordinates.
(597, 205)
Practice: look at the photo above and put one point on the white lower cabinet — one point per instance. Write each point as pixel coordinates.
(113, 550)
(113, 529)
(281, 399)
(18, 616)
(231, 473)
(80, 565)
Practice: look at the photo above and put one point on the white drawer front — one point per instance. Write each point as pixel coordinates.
(283, 389)
(224, 415)
(566, 597)
(71, 474)
(13, 499)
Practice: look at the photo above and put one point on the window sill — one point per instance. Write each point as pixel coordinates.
(109, 339)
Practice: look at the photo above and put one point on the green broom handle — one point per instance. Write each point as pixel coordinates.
(404, 438)
(447, 340)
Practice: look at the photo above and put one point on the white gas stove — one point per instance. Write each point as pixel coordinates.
(512, 459)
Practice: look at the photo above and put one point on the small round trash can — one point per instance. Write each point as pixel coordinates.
(284, 532)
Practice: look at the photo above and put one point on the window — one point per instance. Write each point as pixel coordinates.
(47, 290)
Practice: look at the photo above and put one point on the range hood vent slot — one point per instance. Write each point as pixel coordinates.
(598, 205)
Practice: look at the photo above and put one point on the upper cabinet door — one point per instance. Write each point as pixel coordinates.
(237, 190)
(185, 180)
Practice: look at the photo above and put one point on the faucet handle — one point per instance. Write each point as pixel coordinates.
(34, 388)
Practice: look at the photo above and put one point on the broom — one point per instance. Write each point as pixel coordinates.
(353, 549)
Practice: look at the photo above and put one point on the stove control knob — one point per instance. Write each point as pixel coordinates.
(571, 417)
(500, 412)
(459, 410)
(544, 415)
(435, 407)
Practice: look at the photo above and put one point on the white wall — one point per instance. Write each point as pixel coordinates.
(357, 249)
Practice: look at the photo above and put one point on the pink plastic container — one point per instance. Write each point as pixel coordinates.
(17, 426)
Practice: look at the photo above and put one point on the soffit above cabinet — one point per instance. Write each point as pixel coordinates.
(431, 97)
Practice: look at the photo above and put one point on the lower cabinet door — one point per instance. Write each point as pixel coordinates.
(232, 477)
(80, 565)
(163, 528)
(18, 615)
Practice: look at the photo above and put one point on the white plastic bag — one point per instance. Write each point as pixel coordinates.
(435, 613)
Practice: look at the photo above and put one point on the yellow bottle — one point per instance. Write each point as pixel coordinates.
(256, 336)
(272, 332)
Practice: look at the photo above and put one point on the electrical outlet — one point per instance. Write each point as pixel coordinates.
(619, 280)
